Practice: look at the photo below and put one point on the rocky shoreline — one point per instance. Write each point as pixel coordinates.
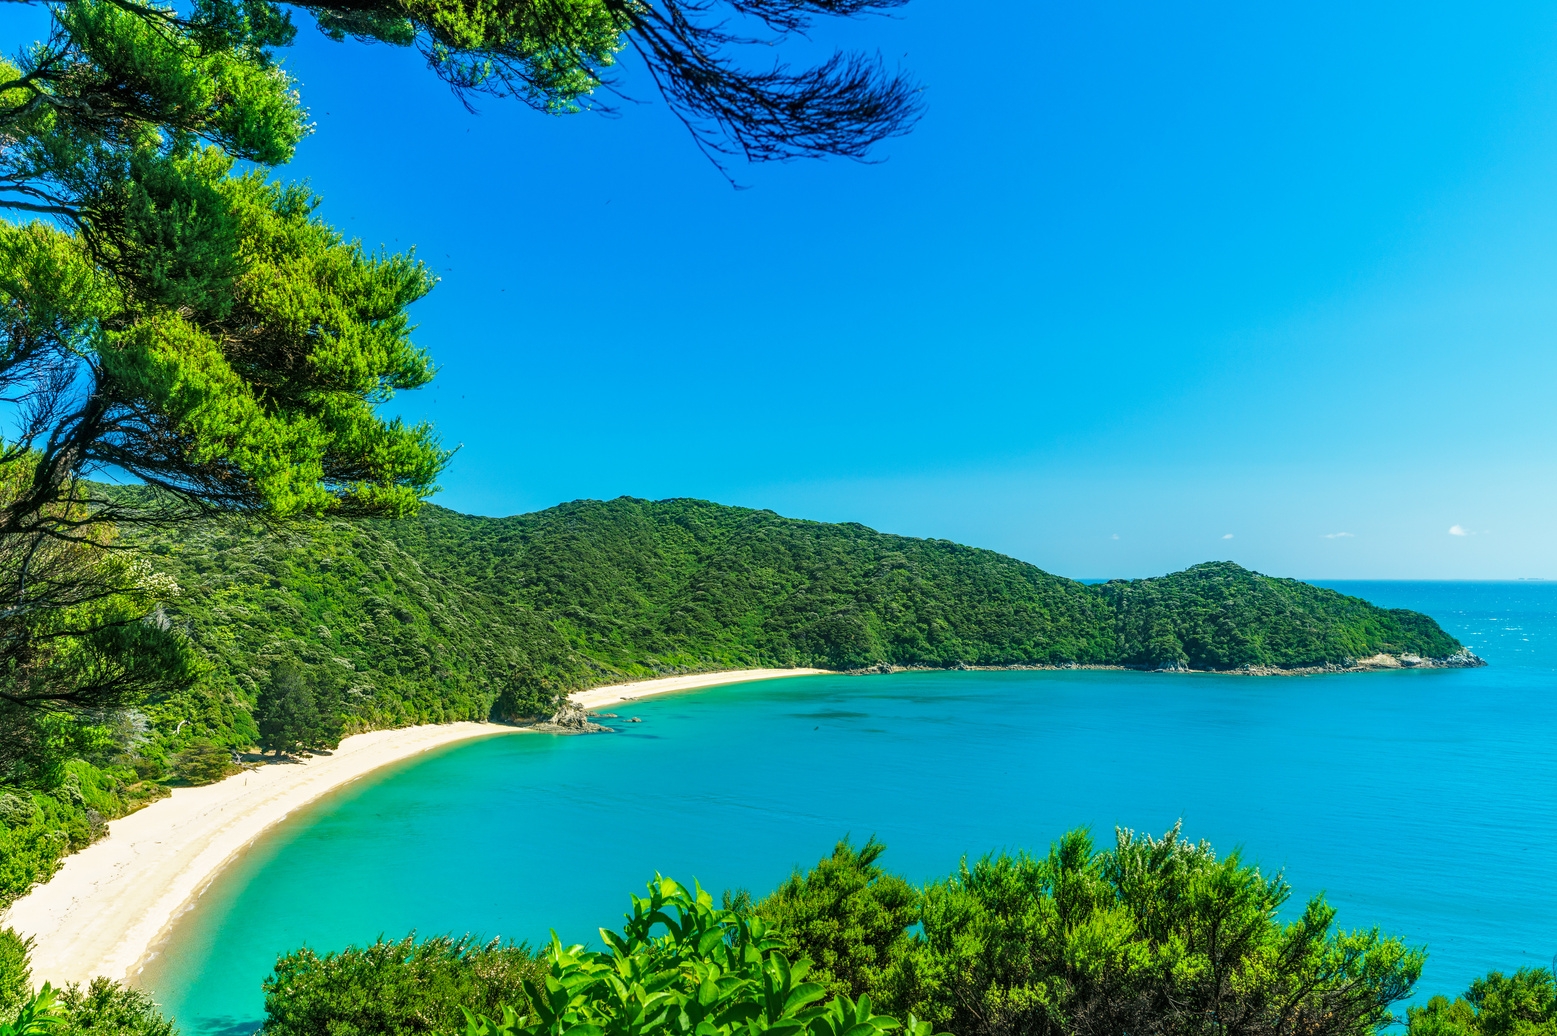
(573, 718)
(1465, 658)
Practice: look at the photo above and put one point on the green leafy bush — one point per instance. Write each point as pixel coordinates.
(395, 988)
(848, 916)
(15, 971)
(38, 1015)
(1521, 1004)
(1157, 936)
(103, 1008)
(106, 1008)
(712, 972)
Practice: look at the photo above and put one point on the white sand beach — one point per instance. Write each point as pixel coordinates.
(110, 902)
(601, 697)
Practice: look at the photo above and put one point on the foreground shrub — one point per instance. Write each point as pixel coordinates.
(847, 915)
(1521, 1004)
(103, 1008)
(395, 988)
(15, 972)
(1156, 937)
(106, 1008)
(712, 973)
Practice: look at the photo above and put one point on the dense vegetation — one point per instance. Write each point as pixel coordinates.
(1152, 935)
(434, 617)
(307, 633)
(1149, 936)
(99, 1008)
(396, 988)
(1521, 1004)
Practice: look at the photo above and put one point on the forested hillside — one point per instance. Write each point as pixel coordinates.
(315, 631)
(431, 618)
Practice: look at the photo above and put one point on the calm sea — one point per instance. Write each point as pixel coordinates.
(1422, 802)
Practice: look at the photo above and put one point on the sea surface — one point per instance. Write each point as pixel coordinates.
(1419, 801)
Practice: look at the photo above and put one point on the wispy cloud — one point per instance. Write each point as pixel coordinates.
(1340, 535)
(1116, 535)
(1228, 536)
(1460, 530)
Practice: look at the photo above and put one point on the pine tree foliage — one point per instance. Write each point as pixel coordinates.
(171, 322)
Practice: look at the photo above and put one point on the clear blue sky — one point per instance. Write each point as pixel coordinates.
(1142, 278)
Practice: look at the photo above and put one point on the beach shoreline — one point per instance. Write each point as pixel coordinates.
(110, 903)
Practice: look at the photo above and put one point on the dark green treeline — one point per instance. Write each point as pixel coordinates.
(432, 618)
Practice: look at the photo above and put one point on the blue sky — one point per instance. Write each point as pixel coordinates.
(1142, 279)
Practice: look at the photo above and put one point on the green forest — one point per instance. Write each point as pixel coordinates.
(309, 631)
(434, 617)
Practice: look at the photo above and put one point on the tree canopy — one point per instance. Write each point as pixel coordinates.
(1157, 935)
(168, 321)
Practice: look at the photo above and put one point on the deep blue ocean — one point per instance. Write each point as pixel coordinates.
(1419, 801)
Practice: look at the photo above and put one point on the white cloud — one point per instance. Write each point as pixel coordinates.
(1228, 536)
(1338, 535)
(1459, 530)
(1116, 535)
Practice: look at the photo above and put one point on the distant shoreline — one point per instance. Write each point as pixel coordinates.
(110, 903)
(1465, 658)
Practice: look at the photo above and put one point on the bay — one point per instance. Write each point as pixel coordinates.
(1419, 801)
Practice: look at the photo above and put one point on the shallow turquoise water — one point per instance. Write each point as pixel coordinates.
(1420, 801)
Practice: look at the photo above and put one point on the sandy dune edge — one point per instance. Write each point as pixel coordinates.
(109, 903)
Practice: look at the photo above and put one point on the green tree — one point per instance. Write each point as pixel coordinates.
(105, 1008)
(398, 988)
(286, 714)
(848, 916)
(526, 697)
(1156, 936)
(1521, 1004)
(557, 56)
(80, 631)
(15, 971)
(162, 318)
(202, 761)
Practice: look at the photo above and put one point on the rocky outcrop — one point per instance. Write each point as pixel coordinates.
(1464, 658)
(571, 719)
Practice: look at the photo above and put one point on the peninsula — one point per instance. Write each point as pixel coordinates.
(319, 631)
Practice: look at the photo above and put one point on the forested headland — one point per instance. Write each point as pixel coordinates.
(310, 631)
(441, 615)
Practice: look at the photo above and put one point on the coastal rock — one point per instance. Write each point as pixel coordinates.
(635, 719)
(872, 670)
(571, 719)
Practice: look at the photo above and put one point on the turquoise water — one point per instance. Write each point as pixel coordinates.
(1420, 801)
